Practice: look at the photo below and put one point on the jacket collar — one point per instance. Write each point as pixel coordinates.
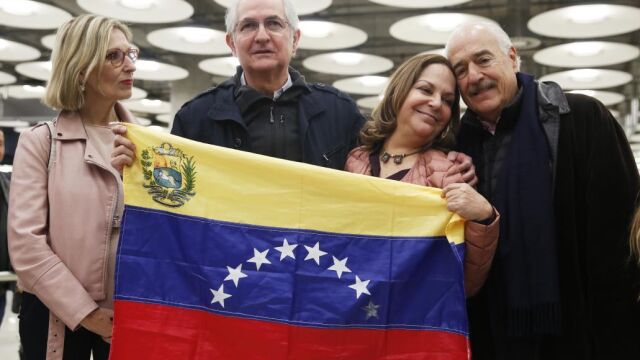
(550, 96)
(69, 124)
(226, 108)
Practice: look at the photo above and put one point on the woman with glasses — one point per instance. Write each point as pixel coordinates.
(66, 200)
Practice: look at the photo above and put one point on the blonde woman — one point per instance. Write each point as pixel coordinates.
(66, 200)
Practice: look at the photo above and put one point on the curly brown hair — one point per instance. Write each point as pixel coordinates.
(382, 122)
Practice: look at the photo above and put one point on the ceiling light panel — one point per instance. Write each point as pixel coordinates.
(363, 85)
(347, 63)
(587, 54)
(303, 7)
(325, 35)
(433, 29)
(140, 11)
(27, 14)
(586, 21)
(420, 4)
(579, 79)
(190, 40)
(14, 51)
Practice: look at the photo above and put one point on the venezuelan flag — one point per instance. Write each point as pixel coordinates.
(232, 255)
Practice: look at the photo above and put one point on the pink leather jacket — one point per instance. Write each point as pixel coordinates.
(60, 221)
(430, 169)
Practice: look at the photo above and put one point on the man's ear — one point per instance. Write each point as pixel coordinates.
(296, 39)
(513, 56)
(231, 44)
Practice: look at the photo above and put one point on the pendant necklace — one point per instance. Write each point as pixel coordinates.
(397, 159)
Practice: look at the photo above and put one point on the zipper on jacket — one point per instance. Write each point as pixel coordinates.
(114, 217)
(271, 119)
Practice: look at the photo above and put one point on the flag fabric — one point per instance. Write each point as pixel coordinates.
(225, 254)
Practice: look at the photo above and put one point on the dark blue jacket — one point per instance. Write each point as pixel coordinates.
(329, 122)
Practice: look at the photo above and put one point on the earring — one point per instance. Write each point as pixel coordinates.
(81, 87)
(445, 132)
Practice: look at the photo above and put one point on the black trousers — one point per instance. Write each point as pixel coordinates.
(34, 328)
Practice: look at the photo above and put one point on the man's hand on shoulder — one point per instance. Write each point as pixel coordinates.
(463, 165)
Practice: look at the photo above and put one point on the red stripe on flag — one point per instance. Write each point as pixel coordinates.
(149, 331)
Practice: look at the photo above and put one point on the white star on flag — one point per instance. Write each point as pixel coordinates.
(286, 250)
(360, 287)
(219, 296)
(259, 258)
(371, 310)
(339, 266)
(314, 253)
(235, 274)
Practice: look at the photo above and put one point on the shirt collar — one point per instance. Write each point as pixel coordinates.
(278, 92)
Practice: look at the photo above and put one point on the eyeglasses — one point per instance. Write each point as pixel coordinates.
(116, 56)
(274, 25)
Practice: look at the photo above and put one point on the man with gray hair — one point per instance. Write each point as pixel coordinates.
(559, 170)
(267, 107)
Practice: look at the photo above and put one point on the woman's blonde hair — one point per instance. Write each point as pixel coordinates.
(81, 47)
(383, 122)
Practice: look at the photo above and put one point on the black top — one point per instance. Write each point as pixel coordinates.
(272, 125)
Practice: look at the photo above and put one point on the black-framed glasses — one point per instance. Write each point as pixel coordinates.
(273, 24)
(116, 56)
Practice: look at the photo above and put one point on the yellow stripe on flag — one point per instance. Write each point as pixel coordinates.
(242, 187)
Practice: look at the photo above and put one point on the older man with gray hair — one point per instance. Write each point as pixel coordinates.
(560, 171)
(267, 107)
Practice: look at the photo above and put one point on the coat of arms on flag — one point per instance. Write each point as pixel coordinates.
(280, 260)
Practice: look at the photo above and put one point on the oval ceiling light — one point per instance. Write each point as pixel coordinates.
(362, 85)
(433, 29)
(140, 11)
(39, 70)
(14, 123)
(420, 4)
(27, 14)
(586, 21)
(223, 66)
(49, 41)
(607, 98)
(587, 54)
(143, 121)
(303, 7)
(25, 91)
(347, 63)
(588, 78)
(157, 71)
(14, 51)
(190, 40)
(6, 78)
(325, 35)
(369, 102)
(149, 106)
(137, 4)
(165, 118)
(137, 93)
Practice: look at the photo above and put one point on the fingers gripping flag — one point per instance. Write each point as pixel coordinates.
(230, 255)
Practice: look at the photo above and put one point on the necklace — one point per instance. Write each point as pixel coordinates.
(397, 159)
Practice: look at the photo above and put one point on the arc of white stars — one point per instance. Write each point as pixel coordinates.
(339, 266)
(286, 250)
(360, 287)
(235, 274)
(314, 253)
(259, 258)
(219, 296)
